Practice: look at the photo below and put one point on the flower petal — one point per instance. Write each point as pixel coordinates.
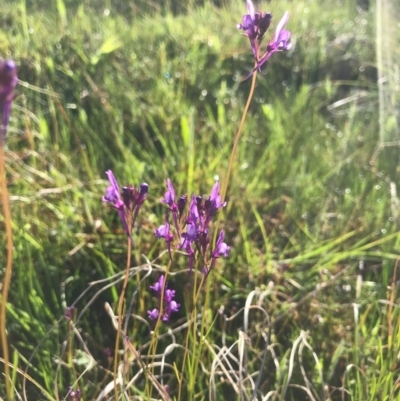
(250, 9)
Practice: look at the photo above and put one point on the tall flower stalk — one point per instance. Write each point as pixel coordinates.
(127, 204)
(255, 24)
(8, 81)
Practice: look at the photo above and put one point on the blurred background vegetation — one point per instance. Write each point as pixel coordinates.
(153, 89)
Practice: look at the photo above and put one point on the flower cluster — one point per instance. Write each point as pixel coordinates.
(8, 81)
(193, 230)
(128, 204)
(168, 304)
(255, 24)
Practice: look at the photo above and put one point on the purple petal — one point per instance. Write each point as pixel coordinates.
(250, 9)
(153, 314)
(284, 40)
(169, 295)
(248, 25)
(169, 196)
(113, 181)
(193, 211)
(174, 306)
(157, 287)
(162, 231)
(191, 233)
(221, 248)
(215, 190)
(280, 26)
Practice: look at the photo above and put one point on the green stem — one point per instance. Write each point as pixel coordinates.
(7, 274)
(238, 136)
(120, 306)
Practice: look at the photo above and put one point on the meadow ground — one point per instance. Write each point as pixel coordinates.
(306, 306)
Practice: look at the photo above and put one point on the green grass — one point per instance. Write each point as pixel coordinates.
(153, 94)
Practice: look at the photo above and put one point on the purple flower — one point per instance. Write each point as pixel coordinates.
(168, 309)
(169, 196)
(169, 199)
(169, 305)
(213, 203)
(158, 286)
(164, 232)
(280, 42)
(113, 196)
(193, 216)
(191, 233)
(8, 81)
(140, 197)
(153, 314)
(132, 197)
(255, 25)
(169, 295)
(195, 240)
(130, 202)
(221, 249)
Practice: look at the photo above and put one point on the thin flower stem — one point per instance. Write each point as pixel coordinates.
(120, 306)
(7, 274)
(238, 136)
(154, 340)
(204, 316)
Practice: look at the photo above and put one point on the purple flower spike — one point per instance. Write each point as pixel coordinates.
(8, 81)
(255, 25)
(128, 204)
(113, 196)
(280, 42)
